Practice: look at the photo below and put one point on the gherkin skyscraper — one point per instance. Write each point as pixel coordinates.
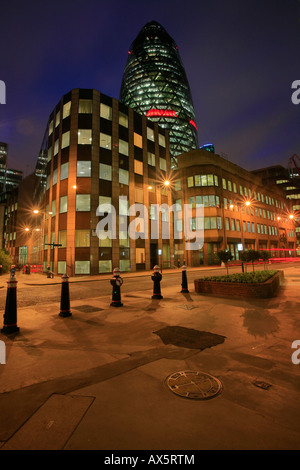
(155, 84)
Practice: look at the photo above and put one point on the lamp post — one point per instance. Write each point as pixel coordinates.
(53, 246)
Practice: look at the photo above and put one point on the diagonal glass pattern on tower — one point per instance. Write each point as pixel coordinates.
(155, 84)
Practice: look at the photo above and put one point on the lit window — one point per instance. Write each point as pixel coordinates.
(54, 181)
(66, 109)
(51, 127)
(105, 141)
(85, 107)
(190, 181)
(161, 140)
(82, 238)
(57, 119)
(105, 172)
(63, 204)
(138, 140)
(53, 209)
(84, 169)
(62, 238)
(83, 202)
(151, 159)
(150, 134)
(105, 266)
(82, 267)
(123, 119)
(85, 136)
(61, 267)
(64, 171)
(123, 147)
(163, 164)
(138, 167)
(123, 176)
(56, 147)
(105, 111)
(65, 140)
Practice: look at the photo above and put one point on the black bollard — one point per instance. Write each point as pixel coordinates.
(10, 314)
(65, 297)
(48, 272)
(184, 283)
(156, 278)
(116, 282)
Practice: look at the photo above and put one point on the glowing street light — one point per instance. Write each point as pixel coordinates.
(247, 203)
(167, 183)
(291, 216)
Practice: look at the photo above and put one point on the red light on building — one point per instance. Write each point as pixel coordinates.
(193, 124)
(161, 113)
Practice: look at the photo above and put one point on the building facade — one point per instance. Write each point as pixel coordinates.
(155, 85)
(101, 152)
(240, 212)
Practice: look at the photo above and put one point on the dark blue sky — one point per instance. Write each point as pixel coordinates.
(241, 58)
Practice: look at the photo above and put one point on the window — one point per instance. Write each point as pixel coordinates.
(83, 202)
(123, 147)
(123, 119)
(65, 140)
(56, 147)
(232, 224)
(63, 204)
(151, 159)
(57, 119)
(85, 107)
(54, 181)
(224, 186)
(84, 169)
(105, 266)
(138, 167)
(249, 227)
(66, 109)
(210, 180)
(105, 172)
(53, 209)
(51, 127)
(190, 181)
(227, 223)
(150, 134)
(82, 238)
(61, 267)
(177, 185)
(258, 228)
(64, 171)
(138, 140)
(234, 187)
(105, 141)
(82, 267)
(105, 111)
(84, 136)
(123, 205)
(253, 227)
(229, 185)
(62, 238)
(123, 176)
(163, 164)
(238, 226)
(161, 140)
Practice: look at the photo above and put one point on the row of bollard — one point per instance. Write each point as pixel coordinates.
(10, 314)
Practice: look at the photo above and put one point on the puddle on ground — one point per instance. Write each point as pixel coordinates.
(260, 322)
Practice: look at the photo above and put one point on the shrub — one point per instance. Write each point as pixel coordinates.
(258, 276)
(5, 261)
(224, 257)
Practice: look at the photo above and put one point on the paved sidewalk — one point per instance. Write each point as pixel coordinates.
(97, 380)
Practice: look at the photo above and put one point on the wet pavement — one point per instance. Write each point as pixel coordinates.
(98, 379)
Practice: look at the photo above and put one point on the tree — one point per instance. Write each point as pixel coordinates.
(265, 256)
(225, 256)
(244, 259)
(5, 261)
(253, 255)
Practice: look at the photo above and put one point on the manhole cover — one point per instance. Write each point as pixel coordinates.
(87, 308)
(194, 384)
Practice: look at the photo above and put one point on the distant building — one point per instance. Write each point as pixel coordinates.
(288, 179)
(155, 85)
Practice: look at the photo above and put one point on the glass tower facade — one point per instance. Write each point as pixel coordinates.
(155, 84)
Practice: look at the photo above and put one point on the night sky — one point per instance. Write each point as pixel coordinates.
(240, 57)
